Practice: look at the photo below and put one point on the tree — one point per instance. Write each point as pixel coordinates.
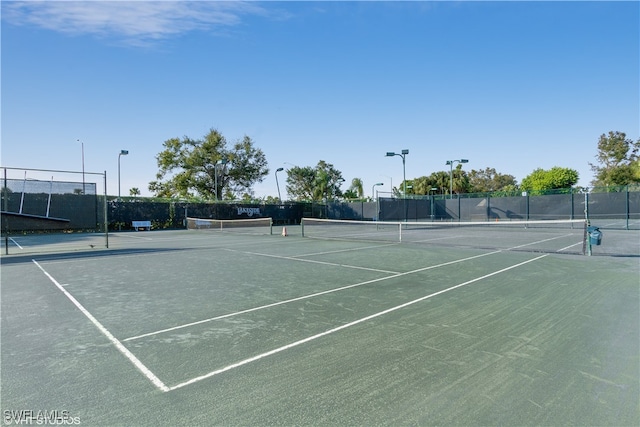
(207, 168)
(440, 180)
(350, 194)
(618, 159)
(460, 180)
(135, 191)
(554, 178)
(420, 186)
(358, 187)
(319, 183)
(488, 180)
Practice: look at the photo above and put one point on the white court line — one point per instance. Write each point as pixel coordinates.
(438, 238)
(541, 241)
(570, 246)
(249, 310)
(345, 250)
(313, 261)
(118, 235)
(15, 243)
(347, 325)
(133, 359)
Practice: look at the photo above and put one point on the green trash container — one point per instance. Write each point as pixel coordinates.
(595, 235)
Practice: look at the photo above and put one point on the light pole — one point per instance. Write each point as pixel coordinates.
(277, 184)
(122, 153)
(404, 176)
(82, 144)
(450, 163)
(215, 174)
(372, 189)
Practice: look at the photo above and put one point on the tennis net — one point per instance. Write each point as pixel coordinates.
(248, 226)
(565, 236)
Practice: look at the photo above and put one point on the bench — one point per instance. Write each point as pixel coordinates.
(141, 224)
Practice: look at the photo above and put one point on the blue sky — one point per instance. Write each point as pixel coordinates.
(510, 85)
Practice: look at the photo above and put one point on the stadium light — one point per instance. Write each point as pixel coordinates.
(450, 163)
(277, 184)
(372, 188)
(122, 153)
(402, 154)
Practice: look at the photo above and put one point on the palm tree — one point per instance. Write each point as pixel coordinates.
(441, 180)
(357, 187)
(460, 180)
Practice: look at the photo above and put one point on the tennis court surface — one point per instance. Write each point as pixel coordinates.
(202, 327)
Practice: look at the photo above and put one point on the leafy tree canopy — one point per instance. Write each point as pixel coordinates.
(317, 183)
(438, 183)
(488, 180)
(619, 163)
(208, 168)
(554, 178)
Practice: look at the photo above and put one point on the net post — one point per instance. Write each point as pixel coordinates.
(587, 242)
(270, 226)
(400, 232)
(302, 226)
(587, 237)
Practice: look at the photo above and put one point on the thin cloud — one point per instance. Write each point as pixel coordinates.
(137, 22)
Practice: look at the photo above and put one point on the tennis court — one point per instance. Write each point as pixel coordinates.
(201, 327)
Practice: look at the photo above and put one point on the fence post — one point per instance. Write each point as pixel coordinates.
(6, 217)
(627, 208)
(104, 206)
(572, 212)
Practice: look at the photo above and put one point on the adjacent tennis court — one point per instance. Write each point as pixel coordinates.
(204, 327)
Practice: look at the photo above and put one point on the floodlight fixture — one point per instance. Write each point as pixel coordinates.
(277, 184)
(122, 153)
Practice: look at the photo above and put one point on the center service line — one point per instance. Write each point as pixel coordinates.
(133, 359)
(347, 325)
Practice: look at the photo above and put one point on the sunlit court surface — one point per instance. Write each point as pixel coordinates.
(218, 327)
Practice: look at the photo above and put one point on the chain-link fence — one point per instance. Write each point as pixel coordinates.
(615, 207)
(36, 204)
